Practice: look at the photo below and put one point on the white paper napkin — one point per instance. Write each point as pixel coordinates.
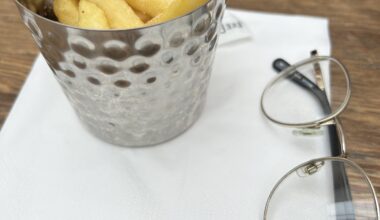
(222, 168)
(233, 29)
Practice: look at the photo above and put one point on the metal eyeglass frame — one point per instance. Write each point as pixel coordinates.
(331, 119)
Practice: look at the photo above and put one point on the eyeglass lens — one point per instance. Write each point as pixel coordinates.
(303, 95)
(308, 193)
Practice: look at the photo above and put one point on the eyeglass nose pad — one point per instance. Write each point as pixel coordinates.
(310, 132)
(310, 169)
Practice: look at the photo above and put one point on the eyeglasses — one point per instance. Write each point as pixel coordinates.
(323, 188)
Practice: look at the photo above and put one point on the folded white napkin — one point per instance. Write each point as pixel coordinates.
(222, 168)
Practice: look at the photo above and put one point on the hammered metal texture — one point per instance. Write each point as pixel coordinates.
(133, 87)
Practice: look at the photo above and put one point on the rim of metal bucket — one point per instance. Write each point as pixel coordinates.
(113, 30)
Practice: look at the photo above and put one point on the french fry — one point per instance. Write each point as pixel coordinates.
(150, 7)
(119, 13)
(144, 17)
(176, 9)
(67, 11)
(91, 16)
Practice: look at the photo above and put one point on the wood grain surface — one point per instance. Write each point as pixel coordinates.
(355, 33)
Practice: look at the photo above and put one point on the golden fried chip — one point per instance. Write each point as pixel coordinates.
(144, 17)
(176, 9)
(119, 14)
(150, 7)
(91, 16)
(67, 11)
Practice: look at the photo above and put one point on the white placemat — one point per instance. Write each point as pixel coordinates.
(222, 168)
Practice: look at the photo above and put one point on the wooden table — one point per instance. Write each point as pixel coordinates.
(355, 32)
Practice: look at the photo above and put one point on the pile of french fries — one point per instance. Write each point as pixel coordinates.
(121, 14)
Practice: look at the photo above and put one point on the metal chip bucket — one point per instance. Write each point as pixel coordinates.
(133, 87)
